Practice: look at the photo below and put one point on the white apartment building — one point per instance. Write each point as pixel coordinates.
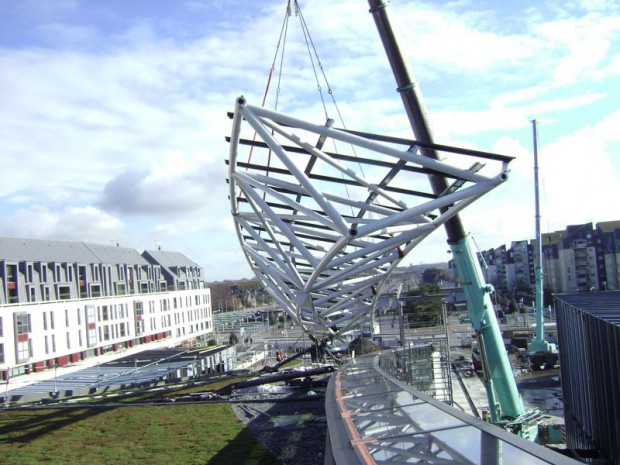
(62, 302)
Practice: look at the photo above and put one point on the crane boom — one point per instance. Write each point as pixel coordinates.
(504, 399)
(540, 350)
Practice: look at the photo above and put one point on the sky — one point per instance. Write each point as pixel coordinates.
(113, 114)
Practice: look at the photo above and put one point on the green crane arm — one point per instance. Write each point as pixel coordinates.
(501, 385)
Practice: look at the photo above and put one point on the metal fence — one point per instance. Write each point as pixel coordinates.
(423, 365)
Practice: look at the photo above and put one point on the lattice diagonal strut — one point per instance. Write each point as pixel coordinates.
(322, 230)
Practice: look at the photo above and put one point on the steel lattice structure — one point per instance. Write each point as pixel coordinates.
(322, 230)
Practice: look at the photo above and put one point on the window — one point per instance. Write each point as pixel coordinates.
(43, 272)
(47, 348)
(64, 292)
(121, 289)
(1, 353)
(67, 318)
(1, 331)
(91, 319)
(32, 294)
(45, 320)
(137, 306)
(52, 320)
(24, 350)
(68, 341)
(46, 293)
(95, 290)
(11, 283)
(104, 313)
(22, 323)
(92, 338)
(11, 273)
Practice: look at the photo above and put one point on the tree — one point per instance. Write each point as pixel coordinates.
(427, 309)
(426, 289)
(233, 339)
(434, 276)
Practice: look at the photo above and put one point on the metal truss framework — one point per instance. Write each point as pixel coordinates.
(322, 230)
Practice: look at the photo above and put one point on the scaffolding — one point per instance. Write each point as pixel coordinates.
(424, 360)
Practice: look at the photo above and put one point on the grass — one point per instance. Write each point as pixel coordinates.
(206, 434)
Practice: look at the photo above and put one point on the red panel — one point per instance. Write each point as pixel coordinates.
(82, 283)
(62, 361)
(91, 326)
(22, 337)
(11, 286)
(39, 366)
(75, 358)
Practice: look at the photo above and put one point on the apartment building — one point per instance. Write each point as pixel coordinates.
(580, 258)
(610, 235)
(62, 302)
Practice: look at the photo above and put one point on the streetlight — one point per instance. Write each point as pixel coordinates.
(6, 387)
(55, 380)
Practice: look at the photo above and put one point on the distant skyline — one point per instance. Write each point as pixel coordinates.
(113, 113)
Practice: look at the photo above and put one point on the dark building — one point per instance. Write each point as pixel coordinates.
(589, 343)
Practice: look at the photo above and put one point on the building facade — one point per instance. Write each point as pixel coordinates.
(62, 302)
(580, 258)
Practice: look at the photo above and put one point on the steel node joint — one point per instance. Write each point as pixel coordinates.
(406, 87)
(488, 289)
(379, 5)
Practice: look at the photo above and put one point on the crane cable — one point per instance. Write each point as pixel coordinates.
(283, 34)
(316, 67)
(313, 54)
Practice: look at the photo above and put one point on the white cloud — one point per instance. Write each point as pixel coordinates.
(72, 223)
(126, 113)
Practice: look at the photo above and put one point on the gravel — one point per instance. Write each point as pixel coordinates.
(289, 422)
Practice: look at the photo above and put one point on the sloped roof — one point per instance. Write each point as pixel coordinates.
(43, 250)
(168, 259)
(37, 250)
(112, 254)
(608, 226)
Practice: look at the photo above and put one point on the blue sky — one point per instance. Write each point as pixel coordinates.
(113, 113)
